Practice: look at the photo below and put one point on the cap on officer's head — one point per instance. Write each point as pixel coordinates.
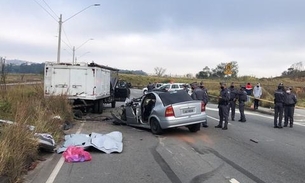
(281, 84)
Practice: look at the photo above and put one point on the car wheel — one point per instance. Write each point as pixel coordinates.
(194, 127)
(155, 127)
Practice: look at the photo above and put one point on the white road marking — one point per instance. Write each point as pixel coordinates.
(233, 180)
(60, 162)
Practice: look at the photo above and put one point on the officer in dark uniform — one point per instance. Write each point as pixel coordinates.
(198, 94)
(290, 101)
(242, 98)
(223, 106)
(205, 93)
(232, 102)
(279, 99)
(150, 87)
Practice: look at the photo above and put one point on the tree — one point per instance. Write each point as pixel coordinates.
(205, 73)
(159, 71)
(219, 71)
(293, 69)
(189, 75)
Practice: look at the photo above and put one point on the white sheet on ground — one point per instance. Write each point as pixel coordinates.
(108, 143)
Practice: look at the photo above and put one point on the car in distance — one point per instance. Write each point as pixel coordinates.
(144, 90)
(159, 110)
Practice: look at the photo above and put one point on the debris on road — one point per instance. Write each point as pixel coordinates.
(108, 143)
(76, 154)
(252, 140)
(45, 140)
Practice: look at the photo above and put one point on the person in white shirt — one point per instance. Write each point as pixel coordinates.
(257, 93)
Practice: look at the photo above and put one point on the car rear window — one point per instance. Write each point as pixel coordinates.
(173, 97)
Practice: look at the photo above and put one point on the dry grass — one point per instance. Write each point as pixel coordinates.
(26, 105)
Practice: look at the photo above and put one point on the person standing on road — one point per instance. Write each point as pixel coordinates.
(257, 93)
(198, 94)
(290, 101)
(242, 98)
(223, 102)
(249, 90)
(150, 87)
(232, 102)
(279, 99)
(205, 93)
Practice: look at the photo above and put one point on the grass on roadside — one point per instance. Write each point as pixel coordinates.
(26, 105)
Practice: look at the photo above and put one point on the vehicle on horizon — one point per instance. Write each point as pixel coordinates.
(144, 90)
(159, 110)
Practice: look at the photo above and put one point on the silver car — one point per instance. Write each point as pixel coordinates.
(159, 110)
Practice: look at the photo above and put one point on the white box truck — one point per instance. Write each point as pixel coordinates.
(87, 86)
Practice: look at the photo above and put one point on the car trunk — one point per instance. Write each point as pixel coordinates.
(186, 108)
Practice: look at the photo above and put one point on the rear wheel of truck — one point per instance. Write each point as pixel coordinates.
(113, 104)
(96, 106)
(100, 106)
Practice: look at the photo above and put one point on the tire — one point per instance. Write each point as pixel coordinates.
(194, 128)
(155, 127)
(95, 107)
(100, 106)
(113, 104)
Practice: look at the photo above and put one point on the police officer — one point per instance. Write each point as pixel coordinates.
(290, 101)
(279, 99)
(242, 98)
(205, 93)
(223, 104)
(232, 102)
(198, 94)
(150, 87)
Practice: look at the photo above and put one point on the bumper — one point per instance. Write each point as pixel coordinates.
(170, 122)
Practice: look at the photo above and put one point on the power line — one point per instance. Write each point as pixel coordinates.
(46, 10)
(50, 8)
(67, 38)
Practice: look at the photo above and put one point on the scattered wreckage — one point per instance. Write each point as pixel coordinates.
(45, 140)
(159, 110)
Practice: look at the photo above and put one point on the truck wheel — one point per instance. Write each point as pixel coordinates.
(113, 104)
(155, 127)
(194, 128)
(100, 106)
(96, 106)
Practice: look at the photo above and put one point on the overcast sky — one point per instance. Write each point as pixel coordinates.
(265, 37)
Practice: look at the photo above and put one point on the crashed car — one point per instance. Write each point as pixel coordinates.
(159, 110)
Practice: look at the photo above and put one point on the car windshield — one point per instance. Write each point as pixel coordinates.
(173, 97)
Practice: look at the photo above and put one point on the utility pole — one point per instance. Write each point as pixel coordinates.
(59, 38)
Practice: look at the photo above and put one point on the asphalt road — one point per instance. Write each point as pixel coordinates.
(247, 152)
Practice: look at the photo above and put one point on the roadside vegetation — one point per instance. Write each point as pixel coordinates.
(25, 105)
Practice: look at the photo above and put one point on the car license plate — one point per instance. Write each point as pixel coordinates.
(185, 111)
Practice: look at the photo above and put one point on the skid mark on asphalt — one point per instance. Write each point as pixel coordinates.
(229, 162)
(206, 176)
(164, 166)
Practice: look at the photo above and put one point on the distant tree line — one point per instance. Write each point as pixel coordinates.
(136, 72)
(294, 71)
(25, 68)
(219, 71)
